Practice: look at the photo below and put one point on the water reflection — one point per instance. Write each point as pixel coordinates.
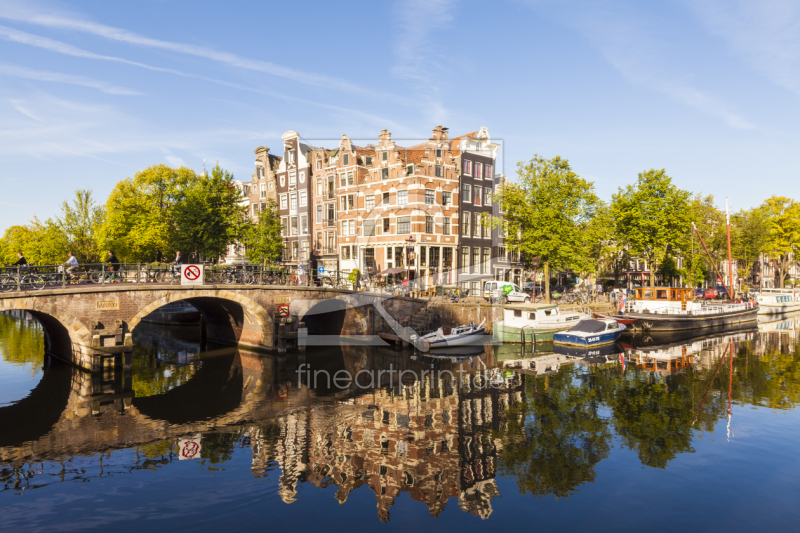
(545, 420)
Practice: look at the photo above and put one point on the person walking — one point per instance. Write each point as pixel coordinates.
(176, 265)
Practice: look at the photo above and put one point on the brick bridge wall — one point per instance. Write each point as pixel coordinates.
(240, 315)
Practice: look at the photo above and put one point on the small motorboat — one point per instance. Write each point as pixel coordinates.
(590, 332)
(457, 336)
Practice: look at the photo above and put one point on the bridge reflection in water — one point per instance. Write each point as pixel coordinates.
(546, 423)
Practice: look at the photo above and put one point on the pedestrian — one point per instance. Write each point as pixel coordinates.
(176, 268)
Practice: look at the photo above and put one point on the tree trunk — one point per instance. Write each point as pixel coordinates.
(652, 273)
(546, 282)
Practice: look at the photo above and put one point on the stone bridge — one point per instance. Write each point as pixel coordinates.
(86, 325)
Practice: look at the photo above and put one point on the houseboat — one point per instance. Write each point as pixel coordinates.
(776, 301)
(528, 324)
(674, 309)
(590, 332)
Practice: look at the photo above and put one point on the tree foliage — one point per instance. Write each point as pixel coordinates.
(783, 235)
(210, 216)
(140, 213)
(262, 240)
(652, 217)
(548, 214)
(80, 223)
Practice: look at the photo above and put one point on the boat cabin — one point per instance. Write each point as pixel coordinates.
(527, 316)
(663, 299)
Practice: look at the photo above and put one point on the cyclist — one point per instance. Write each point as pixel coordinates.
(176, 268)
(72, 261)
(22, 263)
(113, 263)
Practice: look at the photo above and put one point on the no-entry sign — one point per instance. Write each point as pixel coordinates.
(191, 274)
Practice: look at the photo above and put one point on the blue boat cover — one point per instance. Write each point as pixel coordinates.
(589, 326)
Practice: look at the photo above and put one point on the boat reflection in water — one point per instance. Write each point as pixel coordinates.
(452, 425)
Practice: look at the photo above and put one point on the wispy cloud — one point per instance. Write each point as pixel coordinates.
(633, 44)
(765, 33)
(41, 75)
(417, 57)
(23, 13)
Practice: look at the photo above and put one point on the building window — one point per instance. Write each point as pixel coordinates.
(349, 178)
(487, 172)
(447, 197)
(346, 159)
(294, 225)
(345, 252)
(477, 193)
(428, 224)
(386, 198)
(255, 209)
(384, 173)
(263, 190)
(409, 170)
(384, 155)
(468, 168)
(283, 181)
(306, 247)
(485, 261)
(502, 255)
(439, 152)
(439, 171)
(423, 256)
(319, 213)
(351, 201)
(284, 205)
(284, 227)
(259, 172)
(319, 187)
(342, 203)
(403, 225)
(263, 206)
(434, 257)
(303, 224)
(369, 228)
(290, 156)
(319, 164)
(331, 211)
(465, 224)
(318, 244)
(385, 231)
(487, 196)
(293, 201)
(402, 197)
(368, 160)
(292, 177)
(446, 226)
(294, 250)
(465, 259)
(487, 228)
(353, 227)
(303, 198)
(467, 193)
(343, 179)
(478, 171)
(369, 201)
(476, 224)
(430, 196)
(476, 266)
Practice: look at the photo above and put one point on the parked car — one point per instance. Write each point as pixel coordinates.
(699, 294)
(504, 291)
(711, 294)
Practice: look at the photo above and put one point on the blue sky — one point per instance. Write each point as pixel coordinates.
(91, 92)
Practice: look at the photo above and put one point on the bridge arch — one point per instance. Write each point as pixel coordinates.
(231, 317)
(63, 332)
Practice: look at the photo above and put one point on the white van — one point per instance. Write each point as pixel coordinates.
(496, 291)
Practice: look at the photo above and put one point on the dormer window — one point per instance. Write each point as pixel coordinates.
(290, 156)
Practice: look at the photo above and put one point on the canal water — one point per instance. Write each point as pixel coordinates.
(663, 434)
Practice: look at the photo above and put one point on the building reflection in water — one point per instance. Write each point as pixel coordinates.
(546, 423)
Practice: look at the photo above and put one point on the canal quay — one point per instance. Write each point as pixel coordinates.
(697, 431)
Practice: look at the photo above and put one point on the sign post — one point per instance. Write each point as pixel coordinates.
(192, 275)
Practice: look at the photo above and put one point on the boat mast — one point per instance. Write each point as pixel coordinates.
(711, 259)
(730, 261)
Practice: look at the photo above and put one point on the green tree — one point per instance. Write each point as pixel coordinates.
(783, 235)
(547, 215)
(262, 240)
(139, 224)
(210, 216)
(652, 217)
(80, 223)
(749, 233)
(42, 243)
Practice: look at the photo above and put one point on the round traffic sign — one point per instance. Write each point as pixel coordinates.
(192, 273)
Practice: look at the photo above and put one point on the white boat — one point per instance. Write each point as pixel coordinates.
(537, 323)
(457, 336)
(775, 301)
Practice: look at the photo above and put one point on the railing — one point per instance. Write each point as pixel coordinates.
(703, 310)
